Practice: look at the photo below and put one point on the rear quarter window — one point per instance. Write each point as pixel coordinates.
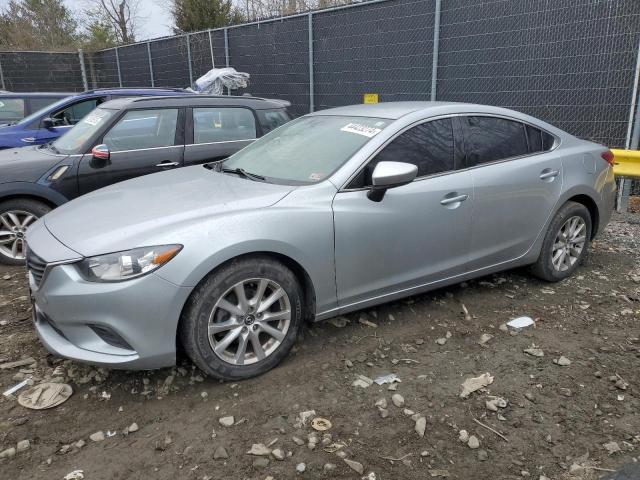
(272, 119)
(11, 109)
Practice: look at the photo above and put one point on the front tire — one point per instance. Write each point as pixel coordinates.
(16, 216)
(565, 245)
(243, 319)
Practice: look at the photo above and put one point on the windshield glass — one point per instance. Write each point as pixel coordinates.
(38, 113)
(73, 141)
(307, 150)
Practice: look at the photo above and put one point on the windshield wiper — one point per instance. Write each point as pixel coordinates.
(241, 172)
(50, 146)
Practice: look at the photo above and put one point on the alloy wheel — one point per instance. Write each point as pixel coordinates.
(13, 227)
(569, 243)
(249, 321)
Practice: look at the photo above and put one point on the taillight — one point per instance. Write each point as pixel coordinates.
(608, 157)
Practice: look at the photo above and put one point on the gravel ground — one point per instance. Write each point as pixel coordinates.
(575, 418)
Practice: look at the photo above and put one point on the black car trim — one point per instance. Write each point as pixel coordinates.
(17, 189)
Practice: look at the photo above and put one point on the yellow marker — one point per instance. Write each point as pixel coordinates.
(626, 163)
(371, 98)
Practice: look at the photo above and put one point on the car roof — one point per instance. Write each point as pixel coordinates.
(255, 103)
(35, 94)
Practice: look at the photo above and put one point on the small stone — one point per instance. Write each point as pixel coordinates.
(278, 454)
(421, 426)
(261, 462)
(301, 467)
(612, 448)
(562, 361)
(382, 403)
(534, 351)
(493, 403)
(463, 436)
(23, 445)
(80, 443)
(220, 453)
(408, 412)
(133, 428)
(482, 455)
(8, 453)
(398, 400)
(424, 453)
(485, 338)
(473, 442)
(384, 413)
(97, 436)
(259, 449)
(298, 441)
(441, 341)
(357, 466)
(348, 363)
(329, 467)
(227, 421)
(565, 392)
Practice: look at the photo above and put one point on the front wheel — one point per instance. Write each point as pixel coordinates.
(565, 244)
(16, 216)
(243, 319)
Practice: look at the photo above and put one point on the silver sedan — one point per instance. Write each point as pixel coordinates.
(334, 212)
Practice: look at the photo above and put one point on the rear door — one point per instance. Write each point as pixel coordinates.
(140, 142)
(517, 182)
(215, 133)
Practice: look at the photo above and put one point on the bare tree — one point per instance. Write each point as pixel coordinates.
(122, 15)
(258, 9)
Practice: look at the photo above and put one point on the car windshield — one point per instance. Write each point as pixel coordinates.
(74, 140)
(307, 150)
(38, 113)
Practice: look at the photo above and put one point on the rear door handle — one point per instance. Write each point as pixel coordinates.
(167, 164)
(547, 174)
(451, 200)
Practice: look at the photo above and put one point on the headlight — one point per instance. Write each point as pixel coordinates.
(119, 266)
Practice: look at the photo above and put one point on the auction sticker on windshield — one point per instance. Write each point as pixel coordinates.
(360, 129)
(94, 118)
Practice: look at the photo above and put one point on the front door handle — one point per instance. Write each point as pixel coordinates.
(28, 139)
(453, 198)
(167, 164)
(549, 174)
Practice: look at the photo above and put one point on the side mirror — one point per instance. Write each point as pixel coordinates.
(390, 175)
(47, 122)
(100, 154)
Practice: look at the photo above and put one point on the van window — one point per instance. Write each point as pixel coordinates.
(11, 109)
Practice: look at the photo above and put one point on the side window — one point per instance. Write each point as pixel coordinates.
(140, 129)
(11, 109)
(429, 146)
(216, 124)
(539, 141)
(488, 139)
(74, 113)
(272, 119)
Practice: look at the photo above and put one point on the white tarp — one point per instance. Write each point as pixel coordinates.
(217, 79)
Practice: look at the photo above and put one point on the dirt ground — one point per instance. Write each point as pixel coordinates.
(556, 424)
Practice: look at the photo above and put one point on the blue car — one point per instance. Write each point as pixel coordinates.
(50, 122)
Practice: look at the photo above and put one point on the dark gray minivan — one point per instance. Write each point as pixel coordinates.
(16, 106)
(119, 140)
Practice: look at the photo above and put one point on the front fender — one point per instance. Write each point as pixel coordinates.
(29, 189)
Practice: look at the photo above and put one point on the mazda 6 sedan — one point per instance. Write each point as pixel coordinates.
(336, 211)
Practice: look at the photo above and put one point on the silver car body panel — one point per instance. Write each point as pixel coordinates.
(355, 253)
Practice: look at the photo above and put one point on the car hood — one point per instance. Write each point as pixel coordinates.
(26, 164)
(159, 207)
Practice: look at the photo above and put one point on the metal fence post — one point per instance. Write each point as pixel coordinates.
(189, 59)
(83, 70)
(436, 52)
(2, 84)
(118, 66)
(153, 83)
(312, 105)
(213, 60)
(226, 52)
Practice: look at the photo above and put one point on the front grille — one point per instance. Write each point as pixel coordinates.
(36, 266)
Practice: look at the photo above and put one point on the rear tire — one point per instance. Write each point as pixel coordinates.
(565, 245)
(16, 216)
(232, 338)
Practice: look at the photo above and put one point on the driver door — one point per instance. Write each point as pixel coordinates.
(140, 142)
(418, 234)
(65, 118)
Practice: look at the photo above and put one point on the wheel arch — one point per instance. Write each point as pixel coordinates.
(31, 191)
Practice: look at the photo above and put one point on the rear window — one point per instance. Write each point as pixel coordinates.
(272, 119)
(11, 109)
(40, 102)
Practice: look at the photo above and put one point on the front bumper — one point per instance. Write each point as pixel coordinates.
(128, 325)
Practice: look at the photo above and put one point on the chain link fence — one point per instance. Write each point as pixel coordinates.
(570, 62)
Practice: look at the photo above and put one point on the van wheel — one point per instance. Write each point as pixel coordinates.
(16, 216)
(243, 319)
(565, 244)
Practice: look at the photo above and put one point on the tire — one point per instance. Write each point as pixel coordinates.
(26, 211)
(545, 268)
(203, 310)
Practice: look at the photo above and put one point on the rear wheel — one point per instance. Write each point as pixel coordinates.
(243, 319)
(16, 216)
(565, 244)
